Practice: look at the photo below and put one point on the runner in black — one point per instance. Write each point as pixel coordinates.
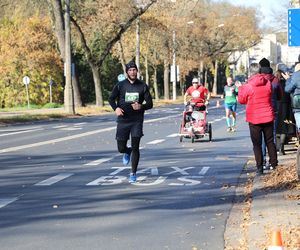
(129, 99)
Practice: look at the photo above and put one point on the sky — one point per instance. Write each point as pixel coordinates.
(267, 7)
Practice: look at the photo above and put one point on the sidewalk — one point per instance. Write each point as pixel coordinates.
(265, 204)
(276, 205)
(31, 111)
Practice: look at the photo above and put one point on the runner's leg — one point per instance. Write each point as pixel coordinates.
(135, 155)
(122, 146)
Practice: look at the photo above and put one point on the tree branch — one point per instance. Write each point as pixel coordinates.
(85, 47)
(122, 30)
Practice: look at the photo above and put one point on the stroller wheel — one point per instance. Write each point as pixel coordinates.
(210, 131)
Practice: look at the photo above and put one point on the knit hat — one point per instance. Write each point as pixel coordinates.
(130, 65)
(264, 63)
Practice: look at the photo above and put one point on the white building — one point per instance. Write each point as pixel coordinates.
(289, 55)
(269, 48)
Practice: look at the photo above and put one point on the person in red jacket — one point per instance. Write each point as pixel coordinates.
(257, 95)
(198, 93)
(277, 93)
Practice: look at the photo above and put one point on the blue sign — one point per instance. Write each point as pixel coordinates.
(121, 77)
(294, 27)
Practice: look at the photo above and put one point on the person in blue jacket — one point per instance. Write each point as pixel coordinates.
(292, 86)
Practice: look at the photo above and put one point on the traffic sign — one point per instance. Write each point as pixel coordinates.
(294, 27)
(26, 80)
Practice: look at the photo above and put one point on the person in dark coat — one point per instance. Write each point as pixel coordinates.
(285, 113)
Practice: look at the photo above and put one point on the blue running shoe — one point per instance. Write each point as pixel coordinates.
(132, 178)
(126, 157)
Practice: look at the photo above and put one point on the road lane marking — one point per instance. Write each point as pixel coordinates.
(71, 128)
(189, 179)
(118, 170)
(5, 201)
(152, 170)
(179, 170)
(80, 123)
(53, 179)
(98, 162)
(19, 129)
(158, 181)
(60, 126)
(204, 170)
(71, 137)
(160, 119)
(22, 132)
(173, 135)
(107, 180)
(156, 141)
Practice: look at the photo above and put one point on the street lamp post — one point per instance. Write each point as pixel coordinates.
(174, 66)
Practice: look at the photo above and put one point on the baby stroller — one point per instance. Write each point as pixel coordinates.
(194, 124)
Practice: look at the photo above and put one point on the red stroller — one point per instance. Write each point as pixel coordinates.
(194, 124)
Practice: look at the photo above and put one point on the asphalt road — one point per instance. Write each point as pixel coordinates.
(63, 185)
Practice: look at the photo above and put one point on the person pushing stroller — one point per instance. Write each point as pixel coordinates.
(199, 95)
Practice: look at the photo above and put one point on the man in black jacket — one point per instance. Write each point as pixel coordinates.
(129, 99)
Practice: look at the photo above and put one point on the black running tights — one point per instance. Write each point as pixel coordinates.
(135, 154)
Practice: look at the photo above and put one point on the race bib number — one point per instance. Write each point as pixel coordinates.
(195, 94)
(131, 97)
(229, 92)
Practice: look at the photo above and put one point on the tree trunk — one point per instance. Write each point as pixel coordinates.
(215, 84)
(181, 82)
(59, 30)
(122, 57)
(147, 70)
(97, 82)
(200, 73)
(155, 83)
(206, 78)
(76, 89)
(137, 58)
(166, 80)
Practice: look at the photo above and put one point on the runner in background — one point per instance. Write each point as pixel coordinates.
(230, 104)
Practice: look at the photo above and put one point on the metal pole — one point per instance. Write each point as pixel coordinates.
(50, 93)
(174, 65)
(27, 94)
(69, 97)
